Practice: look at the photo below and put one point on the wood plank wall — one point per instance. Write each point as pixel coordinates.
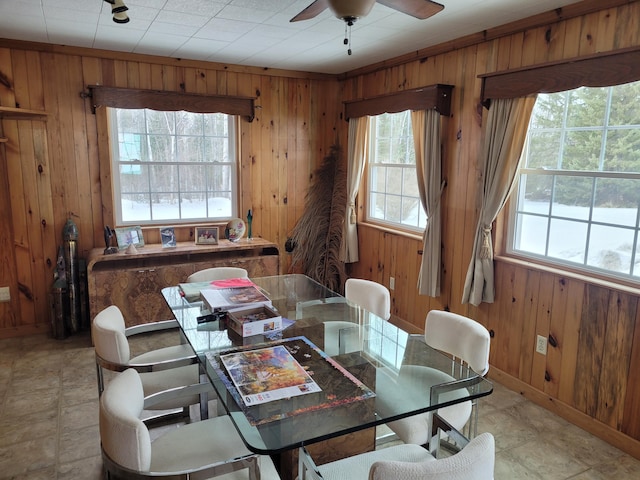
(53, 170)
(592, 375)
(59, 168)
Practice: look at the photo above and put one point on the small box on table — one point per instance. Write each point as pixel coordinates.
(253, 321)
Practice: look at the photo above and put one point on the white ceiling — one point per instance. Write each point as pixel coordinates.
(254, 32)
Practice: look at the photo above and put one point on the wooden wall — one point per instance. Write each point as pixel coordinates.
(53, 170)
(592, 375)
(59, 168)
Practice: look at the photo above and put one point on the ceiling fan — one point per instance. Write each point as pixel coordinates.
(351, 10)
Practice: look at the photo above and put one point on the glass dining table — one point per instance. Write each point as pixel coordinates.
(361, 368)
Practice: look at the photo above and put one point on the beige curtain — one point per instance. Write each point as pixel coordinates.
(357, 152)
(505, 133)
(426, 137)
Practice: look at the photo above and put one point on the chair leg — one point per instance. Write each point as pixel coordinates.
(100, 379)
(204, 406)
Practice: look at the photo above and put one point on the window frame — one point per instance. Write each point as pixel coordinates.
(601, 69)
(511, 214)
(432, 97)
(384, 222)
(101, 96)
(115, 162)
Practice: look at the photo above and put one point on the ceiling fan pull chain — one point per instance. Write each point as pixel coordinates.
(347, 35)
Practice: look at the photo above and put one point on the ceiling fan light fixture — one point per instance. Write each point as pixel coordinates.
(350, 10)
(121, 17)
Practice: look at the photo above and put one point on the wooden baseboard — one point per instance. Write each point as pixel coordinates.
(25, 330)
(614, 437)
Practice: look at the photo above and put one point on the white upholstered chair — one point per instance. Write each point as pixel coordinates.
(371, 296)
(162, 369)
(342, 336)
(476, 461)
(204, 449)
(468, 342)
(217, 273)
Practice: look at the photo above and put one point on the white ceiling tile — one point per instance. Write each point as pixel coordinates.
(199, 49)
(244, 14)
(255, 32)
(180, 18)
(31, 26)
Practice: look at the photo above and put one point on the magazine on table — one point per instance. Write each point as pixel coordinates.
(191, 290)
(233, 297)
(267, 374)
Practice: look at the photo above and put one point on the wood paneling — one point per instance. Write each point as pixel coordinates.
(60, 168)
(590, 374)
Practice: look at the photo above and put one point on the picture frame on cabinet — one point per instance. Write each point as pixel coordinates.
(129, 236)
(206, 235)
(167, 237)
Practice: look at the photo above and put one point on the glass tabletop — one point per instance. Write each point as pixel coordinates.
(367, 371)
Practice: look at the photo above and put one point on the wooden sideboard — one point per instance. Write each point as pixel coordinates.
(133, 281)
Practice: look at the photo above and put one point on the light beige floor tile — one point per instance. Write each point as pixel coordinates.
(507, 430)
(509, 468)
(20, 429)
(31, 402)
(24, 457)
(621, 468)
(79, 444)
(547, 460)
(48, 473)
(49, 420)
(79, 416)
(85, 469)
(582, 446)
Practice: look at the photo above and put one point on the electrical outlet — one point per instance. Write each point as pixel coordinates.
(392, 283)
(5, 295)
(541, 345)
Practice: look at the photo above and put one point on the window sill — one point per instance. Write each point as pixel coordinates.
(387, 229)
(592, 279)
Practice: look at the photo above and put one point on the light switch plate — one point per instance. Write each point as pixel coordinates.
(5, 295)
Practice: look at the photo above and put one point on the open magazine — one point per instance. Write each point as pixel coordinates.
(267, 374)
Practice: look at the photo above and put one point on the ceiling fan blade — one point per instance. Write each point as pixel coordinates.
(416, 8)
(315, 9)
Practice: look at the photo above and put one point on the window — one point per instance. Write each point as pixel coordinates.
(393, 195)
(578, 196)
(173, 166)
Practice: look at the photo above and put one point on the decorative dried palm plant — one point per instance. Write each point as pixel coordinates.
(317, 236)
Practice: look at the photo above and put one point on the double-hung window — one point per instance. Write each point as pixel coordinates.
(393, 195)
(173, 167)
(578, 196)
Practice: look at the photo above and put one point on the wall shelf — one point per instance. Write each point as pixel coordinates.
(22, 114)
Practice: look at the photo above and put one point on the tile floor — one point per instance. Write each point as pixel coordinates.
(49, 421)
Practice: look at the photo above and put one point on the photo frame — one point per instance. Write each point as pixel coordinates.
(129, 236)
(167, 237)
(206, 235)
